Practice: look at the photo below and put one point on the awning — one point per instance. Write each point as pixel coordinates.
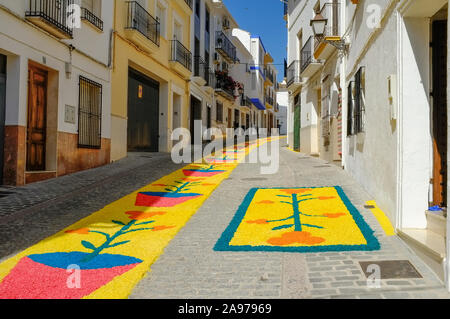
(258, 104)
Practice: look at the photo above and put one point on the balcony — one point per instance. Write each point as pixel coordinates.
(309, 66)
(142, 29)
(269, 77)
(95, 21)
(322, 49)
(225, 47)
(245, 102)
(269, 102)
(51, 16)
(181, 59)
(210, 77)
(225, 86)
(293, 75)
(199, 71)
(187, 4)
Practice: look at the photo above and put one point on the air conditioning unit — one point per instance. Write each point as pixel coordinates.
(226, 23)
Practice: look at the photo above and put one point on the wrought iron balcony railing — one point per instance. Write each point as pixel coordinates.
(225, 47)
(139, 19)
(269, 74)
(189, 3)
(91, 18)
(245, 101)
(269, 100)
(181, 54)
(307, 54)
(210, 77)
(223, 86)
(293, 73)
(199, 67)
(54, 12)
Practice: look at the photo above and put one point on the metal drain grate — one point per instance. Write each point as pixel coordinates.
(391, 269)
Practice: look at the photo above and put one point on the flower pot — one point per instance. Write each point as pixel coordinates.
(46, 276)
(160, 199)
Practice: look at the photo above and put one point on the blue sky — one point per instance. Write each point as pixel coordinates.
(263, 18)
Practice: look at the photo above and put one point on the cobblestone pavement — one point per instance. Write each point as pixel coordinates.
(189, 268)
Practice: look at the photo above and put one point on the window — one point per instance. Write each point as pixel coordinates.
(350, 110)
(161, 17)
(89, 114)
(94, 6)
(178, 32)
(359, 101)
(219, 112)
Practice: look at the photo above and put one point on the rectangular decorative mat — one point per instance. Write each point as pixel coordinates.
(297, 220)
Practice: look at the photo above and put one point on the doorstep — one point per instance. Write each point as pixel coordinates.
(428, 245)
(39, 176)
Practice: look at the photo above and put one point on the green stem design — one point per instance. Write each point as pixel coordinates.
(109, 239)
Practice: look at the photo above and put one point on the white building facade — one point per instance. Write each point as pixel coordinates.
(56, 88)
(387, 95)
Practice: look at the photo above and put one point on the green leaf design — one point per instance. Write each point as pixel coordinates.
(88, 245)
(282, 227)
(118, 244)
(118, 222)
(145, 223)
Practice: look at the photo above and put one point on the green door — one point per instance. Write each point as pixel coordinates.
(297, 119)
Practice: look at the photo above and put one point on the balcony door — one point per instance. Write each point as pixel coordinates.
(439, 57)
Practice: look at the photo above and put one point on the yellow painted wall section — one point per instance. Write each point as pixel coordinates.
(154, 65)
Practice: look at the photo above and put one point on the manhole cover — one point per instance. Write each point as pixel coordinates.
(255, 179)
(391, 269)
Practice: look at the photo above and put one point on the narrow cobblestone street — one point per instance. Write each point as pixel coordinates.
(189, 268)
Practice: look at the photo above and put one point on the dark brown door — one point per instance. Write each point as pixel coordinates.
(230, 119)
(143, 113)
(439, 94)
(2, 111)
(37, 119)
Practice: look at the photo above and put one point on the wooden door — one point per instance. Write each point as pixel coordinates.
(37, 118)
(439, 47)
(143, 113)
(2, 111)
(230, 119)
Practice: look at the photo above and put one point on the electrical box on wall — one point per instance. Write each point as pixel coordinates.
(392, 95)
(69, 114)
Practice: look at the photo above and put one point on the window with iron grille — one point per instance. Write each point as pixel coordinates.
(89, 114)
(359, 101)
(219, 112)
(350, 110)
